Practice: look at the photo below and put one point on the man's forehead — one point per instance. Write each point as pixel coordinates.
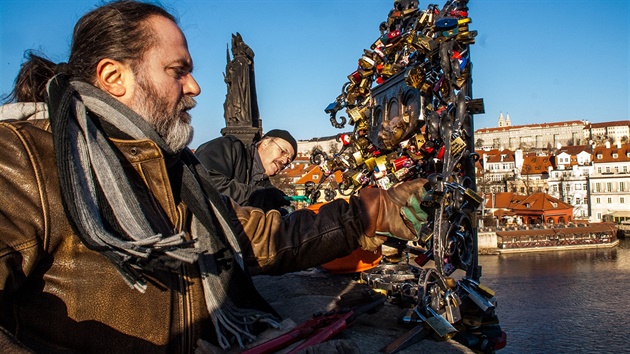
(171, 41)
(285, 144)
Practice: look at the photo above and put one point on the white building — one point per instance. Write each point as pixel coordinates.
(530, 136)
(568, 180)
(609, 183)
(615, 132)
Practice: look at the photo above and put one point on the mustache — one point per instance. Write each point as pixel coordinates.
(186, 103)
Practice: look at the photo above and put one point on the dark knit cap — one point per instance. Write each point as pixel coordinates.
(285, 135)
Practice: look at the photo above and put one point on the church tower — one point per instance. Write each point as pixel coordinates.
(507, 120)
(501, 120)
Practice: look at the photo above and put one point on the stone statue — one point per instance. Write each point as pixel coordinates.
(241, 105)
(241, 113)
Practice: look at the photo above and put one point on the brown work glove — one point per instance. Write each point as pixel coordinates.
(394, 213)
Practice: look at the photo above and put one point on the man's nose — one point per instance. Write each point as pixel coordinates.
(190, 86)
(285, 160)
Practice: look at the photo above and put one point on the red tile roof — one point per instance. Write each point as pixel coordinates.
(607, 154)
(541, 202)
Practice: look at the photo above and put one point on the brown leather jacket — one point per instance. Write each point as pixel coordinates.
(56, 295)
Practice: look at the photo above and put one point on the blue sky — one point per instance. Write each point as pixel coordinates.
(538, 61)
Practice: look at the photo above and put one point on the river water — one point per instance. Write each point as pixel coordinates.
(563, 302)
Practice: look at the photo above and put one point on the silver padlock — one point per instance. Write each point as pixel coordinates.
(452, 312)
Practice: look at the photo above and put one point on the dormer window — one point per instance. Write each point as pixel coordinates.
(600, 156)
(555, 205)
(615, 155)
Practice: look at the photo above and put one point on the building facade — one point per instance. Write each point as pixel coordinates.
(609, 184)
(531, 136)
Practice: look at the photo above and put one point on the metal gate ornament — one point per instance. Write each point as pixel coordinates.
(410, 103)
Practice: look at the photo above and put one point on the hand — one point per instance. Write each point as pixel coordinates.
(268, 199)
(395, 212)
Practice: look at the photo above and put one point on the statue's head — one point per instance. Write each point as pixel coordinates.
(396, 130)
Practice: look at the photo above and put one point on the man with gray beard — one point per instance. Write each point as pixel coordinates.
(112, 237)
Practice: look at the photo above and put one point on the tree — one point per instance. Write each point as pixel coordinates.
(316, 148)
(479, 143)
(525, 171)
(332, 148)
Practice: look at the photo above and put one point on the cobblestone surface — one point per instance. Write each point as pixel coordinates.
(298, 296)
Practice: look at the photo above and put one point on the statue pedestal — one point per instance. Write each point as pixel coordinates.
(246, 134)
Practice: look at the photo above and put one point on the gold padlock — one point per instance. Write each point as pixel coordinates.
(457, 146)
(356, 114)
(358, 158)
(370, 163)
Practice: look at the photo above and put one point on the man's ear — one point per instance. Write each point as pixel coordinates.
(114, 77)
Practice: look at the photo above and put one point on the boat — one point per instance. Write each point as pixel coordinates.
(557, 237)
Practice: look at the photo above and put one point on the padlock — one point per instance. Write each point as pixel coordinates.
(388, 70)
(445, 24)
(383, 182)
(473, 198)
(439, 324)
(358, 179)
(356, 114)
(366, 63)
(457, 146)
(483, 289)
(425, 19)
(415, 77)
(476, 298)
(450, 33)
(401, 162)
(452, 312)
(402, 174)
(411, 315)
(463, 21)
(380, 164)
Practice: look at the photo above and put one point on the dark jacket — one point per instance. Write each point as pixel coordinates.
(56, 295)
(236, 171)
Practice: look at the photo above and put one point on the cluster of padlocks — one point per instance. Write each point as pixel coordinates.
(409, 103)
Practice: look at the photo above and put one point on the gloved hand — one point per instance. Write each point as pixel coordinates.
(395, 212)
(268, 199)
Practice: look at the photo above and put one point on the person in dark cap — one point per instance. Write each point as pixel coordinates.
(242, 172)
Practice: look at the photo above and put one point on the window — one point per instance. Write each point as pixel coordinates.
(598, 188)
(554, 188)
(599, 216)
(599, 170)
(622, 200)
(609, 187)
(609, 200)
(598, 200)
(622, 186)
(625, 169)
(578, 201)
(607, 169)
(567, 187)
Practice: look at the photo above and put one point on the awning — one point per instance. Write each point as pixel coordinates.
(621, 214)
